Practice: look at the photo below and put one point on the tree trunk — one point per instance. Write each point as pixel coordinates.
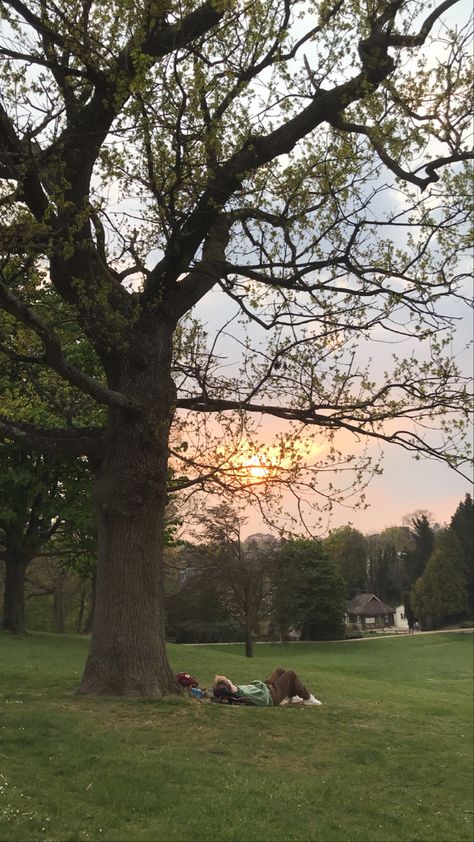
(248, 639)
(14, 594)
(58, 608)
(305, 631)
(86, 627)
(82, 608)
(128, 651)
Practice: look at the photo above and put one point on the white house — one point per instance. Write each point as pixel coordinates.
(400, 617)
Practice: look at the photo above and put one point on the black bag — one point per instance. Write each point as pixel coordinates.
(229, 700)
(225, 696)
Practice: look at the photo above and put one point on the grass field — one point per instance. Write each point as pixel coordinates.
(387, 757)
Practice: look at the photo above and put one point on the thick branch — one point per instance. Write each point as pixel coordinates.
(165, 38)
(398, 40)
(54, 357)
(85, 441)
(18, 165)
(430, 168)
(209, 270)
(365, 427)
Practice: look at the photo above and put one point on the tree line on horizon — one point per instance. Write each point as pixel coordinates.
(221, 587)
(224, 587)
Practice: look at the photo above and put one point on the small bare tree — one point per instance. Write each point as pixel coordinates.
(240, 570)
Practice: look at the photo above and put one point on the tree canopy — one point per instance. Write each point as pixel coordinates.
(440, 594)
(310, 591)
(45, 509)
(347, 547)
(462, 523)
(310, 165)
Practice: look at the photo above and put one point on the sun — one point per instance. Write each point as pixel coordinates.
(270, 463)
(256, 469)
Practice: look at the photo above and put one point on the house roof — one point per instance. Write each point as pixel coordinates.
(368, 604)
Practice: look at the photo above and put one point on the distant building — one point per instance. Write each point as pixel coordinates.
(367, 610)
(262, 539)
(401, 621)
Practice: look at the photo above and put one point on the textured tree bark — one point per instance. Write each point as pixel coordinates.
(14, 595)
(85, 627)
(59, 608)
(128, 652)
(248, 639)
(128, 655)
(82, 607)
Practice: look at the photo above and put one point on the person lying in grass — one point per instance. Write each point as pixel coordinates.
(282, 686)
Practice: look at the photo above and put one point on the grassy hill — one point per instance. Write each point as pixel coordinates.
(388, 756)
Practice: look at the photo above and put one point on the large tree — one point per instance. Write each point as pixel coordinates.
(440, 596)
(309, 591)
(462, 523)
(347, 547)
(309, 165)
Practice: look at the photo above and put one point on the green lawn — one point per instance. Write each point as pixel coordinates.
(387, 757)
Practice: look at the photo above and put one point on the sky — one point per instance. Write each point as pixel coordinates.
(406, 485)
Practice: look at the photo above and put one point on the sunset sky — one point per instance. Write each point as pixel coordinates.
(404, 487)
(406, 484)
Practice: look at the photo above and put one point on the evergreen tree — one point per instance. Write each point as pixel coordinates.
(423, 542)
(462, 522)
(439, 596)
(387, 556)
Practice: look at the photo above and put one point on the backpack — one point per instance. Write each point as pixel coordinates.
(229, 700)
(186, 680)
(225, 696)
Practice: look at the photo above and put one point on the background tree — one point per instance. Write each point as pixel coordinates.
(58, 590)
(439, 596)
(46, 504)
(195, 611)
(423, 542)
(309, 591)
(240, 571)
(36, 492)
(462, 523)
(387, 574)
(250, 142)
(347, 547)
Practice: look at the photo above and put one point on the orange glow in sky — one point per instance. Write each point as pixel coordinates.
(256, 468)
(254, 465)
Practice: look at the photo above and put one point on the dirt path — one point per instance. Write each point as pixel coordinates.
(382, 636)
(377, 636)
